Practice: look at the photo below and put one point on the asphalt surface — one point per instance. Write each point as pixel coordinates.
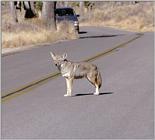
(24, 67)
(124, 108)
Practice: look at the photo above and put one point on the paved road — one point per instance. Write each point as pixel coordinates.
(31, 65)
(123, 110)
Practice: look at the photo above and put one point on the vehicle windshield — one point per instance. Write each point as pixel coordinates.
(64, 12)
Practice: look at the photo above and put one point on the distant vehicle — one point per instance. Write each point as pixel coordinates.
(67, 14)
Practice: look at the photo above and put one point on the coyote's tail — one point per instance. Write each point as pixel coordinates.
(99, 79)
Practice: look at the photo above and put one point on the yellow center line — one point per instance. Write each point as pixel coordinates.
(24, 89)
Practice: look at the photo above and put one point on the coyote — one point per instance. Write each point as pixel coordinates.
(77, 70)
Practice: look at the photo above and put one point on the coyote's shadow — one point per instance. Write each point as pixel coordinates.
(86, 94)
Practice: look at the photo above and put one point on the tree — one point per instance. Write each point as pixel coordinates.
(29, 9)
(81, 8)
(13, 12)
(48, 14)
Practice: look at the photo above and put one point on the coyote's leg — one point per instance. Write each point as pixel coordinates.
(96, 90)
(69, 83)
(92, 78)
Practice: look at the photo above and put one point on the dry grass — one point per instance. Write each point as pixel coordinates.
(138, 17)
(31, 32)
(28, 34)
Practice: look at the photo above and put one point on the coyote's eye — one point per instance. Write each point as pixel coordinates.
(56, 63)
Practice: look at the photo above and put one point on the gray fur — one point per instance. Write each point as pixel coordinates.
(77, 70)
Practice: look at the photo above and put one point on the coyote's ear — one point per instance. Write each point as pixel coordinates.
(64, 55)
(52, 55)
